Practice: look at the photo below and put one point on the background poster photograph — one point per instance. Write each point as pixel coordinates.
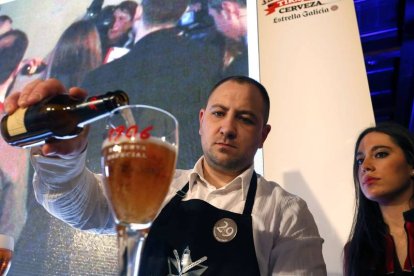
(101, 46)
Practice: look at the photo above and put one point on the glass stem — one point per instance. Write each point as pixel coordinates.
(130, 243)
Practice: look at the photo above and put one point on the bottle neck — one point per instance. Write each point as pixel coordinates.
(98, 107)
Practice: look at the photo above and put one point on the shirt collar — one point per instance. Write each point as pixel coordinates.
(242, 179)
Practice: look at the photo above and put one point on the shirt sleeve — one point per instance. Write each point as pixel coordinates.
(12, 205)
(72, 193)
(297, 248)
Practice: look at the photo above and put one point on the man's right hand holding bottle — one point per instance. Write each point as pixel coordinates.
(35, 92)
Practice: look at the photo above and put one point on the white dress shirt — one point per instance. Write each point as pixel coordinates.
(286, 237)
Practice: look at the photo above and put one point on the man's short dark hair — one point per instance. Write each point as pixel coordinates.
(13, 45)
(128, 6)
(4, 18)
(258, 85)
(163, 11)
(216, 4)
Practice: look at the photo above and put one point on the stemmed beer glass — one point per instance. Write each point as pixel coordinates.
(138, 160)
(6, 253)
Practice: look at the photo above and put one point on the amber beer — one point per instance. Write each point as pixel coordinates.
(138, 174)
(6, 253)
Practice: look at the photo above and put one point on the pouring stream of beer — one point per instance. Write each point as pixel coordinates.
(128, 116)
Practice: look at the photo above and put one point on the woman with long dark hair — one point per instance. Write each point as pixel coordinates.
(77, 52)
(13, 45)
(382, 237)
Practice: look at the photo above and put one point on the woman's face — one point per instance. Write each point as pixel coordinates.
(383, 173)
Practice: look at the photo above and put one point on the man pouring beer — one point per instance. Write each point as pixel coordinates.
(220, 217)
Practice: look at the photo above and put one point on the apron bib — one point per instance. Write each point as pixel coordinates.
(192, 238)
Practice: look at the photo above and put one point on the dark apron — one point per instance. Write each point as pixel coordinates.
(192, 238)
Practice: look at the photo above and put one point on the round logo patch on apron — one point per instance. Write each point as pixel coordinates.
(225, 230)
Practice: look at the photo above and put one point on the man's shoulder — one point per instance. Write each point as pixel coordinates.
(179, 173)
(180, 178)
(170, 40)
(275, 192)
(103, 76)
(284, 205)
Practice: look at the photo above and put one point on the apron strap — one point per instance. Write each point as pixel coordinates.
(181, 193)
(251, 194)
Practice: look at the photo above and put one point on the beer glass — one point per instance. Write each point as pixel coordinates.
(139, 155)
(6, 253)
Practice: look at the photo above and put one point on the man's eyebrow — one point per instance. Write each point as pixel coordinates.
(218, 106)
(241, 111)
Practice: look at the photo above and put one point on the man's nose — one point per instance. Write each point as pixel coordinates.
(228, 128)
(117, 23)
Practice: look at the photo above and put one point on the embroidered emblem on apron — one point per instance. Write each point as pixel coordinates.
(225, 230)
(185, 265)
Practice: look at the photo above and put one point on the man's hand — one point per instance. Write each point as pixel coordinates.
(33, 93)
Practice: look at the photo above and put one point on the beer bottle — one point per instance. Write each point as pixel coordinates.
(60, 116)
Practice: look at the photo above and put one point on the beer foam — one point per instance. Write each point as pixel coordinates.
(123, 140)
(6, 242)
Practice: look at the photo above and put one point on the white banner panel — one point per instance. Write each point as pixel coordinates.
(311, 62)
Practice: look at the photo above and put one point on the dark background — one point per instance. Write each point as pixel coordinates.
(387, 34)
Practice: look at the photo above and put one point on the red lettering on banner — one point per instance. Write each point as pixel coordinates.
(271, 8)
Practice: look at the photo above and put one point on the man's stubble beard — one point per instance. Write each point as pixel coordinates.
(228, 165)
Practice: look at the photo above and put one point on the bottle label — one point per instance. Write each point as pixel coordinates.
(15, 122)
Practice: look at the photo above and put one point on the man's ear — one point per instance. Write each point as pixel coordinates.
(265, 131)
(138, 13)
(200, 119)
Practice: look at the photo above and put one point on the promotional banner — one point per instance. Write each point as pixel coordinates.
(311, 61)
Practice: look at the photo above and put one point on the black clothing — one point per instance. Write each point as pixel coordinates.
(183, 236)
(165, 70)
(240, 64)
(390, 264)
(237, 49)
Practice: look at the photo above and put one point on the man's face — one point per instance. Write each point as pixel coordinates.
(122, 24)
(232, 126)
(5, 26)
(229, 21)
